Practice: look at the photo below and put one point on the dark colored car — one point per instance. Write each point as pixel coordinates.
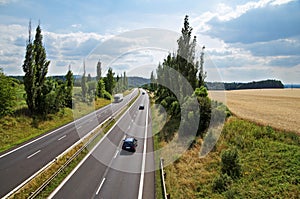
(143, 93)
(129, 144)
(141, 107)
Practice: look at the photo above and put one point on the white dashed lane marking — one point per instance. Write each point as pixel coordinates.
(33, 154)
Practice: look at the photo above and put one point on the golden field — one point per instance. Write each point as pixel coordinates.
(279, 108)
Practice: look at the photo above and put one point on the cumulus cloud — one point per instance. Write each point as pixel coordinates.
(265, 23)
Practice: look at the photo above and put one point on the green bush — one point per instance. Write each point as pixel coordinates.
(230, 163)
(221, 183)
(107, 95)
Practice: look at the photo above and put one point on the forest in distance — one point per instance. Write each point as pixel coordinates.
(140, 81)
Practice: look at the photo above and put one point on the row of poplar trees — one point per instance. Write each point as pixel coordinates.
(43, 95)
(177, 99)
(103, 87)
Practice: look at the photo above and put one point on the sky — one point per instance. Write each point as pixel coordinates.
(244, 40)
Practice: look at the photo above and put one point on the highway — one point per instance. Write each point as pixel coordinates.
(110, 172)
(20, 163)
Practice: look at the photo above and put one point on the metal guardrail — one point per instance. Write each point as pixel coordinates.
(166, 196)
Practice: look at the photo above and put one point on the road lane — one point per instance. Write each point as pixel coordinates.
(109, 171)
(16, 167)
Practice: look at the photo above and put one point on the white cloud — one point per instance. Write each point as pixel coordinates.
(225, 12)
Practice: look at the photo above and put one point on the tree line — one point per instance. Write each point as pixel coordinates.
(45, 95)
(250, 85)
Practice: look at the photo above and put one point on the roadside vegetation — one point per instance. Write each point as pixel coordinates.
(247, 161)
(35, 103)
(266, 164)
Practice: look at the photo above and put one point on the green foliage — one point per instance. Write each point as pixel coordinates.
(109, 81)
(92, 85)
(250, 85)
(221, 183)
(205, 114)
(121, 84)
(169, 83)
(219, 113)
(7, 94)
(107, 95)
(100, 88)
(69, 89)
(99, 71)
(200, 92)
(52, 97)
(35, 67)
(84, 86)
(269, 160)
(231, 163)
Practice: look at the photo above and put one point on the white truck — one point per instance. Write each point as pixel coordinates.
(118, 97)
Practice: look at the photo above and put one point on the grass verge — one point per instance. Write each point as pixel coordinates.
(19, 128)
(270, 161)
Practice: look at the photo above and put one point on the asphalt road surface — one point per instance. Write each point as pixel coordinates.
(110, 172)
(20, 163)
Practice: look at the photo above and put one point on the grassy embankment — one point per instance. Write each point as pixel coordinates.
(18, 128)
(270, 162)
(269, 159)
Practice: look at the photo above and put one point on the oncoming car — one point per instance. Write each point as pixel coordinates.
(129, 144)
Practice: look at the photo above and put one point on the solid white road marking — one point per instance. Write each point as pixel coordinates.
(116, 154)
(100, 186)
(33, 154)
(62, 137)
(79, 127)
(140, 196)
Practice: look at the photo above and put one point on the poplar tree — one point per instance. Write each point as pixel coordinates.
(35, 67)
(109, 81)
(99, 68)
(69, 89)
(83, 84)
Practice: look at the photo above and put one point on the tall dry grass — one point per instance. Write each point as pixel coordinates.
(279, 108)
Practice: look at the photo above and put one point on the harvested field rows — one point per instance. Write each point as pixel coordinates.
(279, 108)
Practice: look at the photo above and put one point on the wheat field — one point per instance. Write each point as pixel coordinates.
(279, 108)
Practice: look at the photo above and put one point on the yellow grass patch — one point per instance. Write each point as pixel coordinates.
(279, 108)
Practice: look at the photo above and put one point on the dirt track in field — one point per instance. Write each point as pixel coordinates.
(279, 108)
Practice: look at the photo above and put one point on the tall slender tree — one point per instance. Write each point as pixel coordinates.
(35, 67)
(202, 75)
(83, 83)
(69, 88)
(98, 71)
(110, 81)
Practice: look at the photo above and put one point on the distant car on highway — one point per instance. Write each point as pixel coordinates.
(118, 97)
(129, 144)
(143, 93)
(141, 107)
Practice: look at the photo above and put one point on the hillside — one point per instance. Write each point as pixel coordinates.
(137, 81)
